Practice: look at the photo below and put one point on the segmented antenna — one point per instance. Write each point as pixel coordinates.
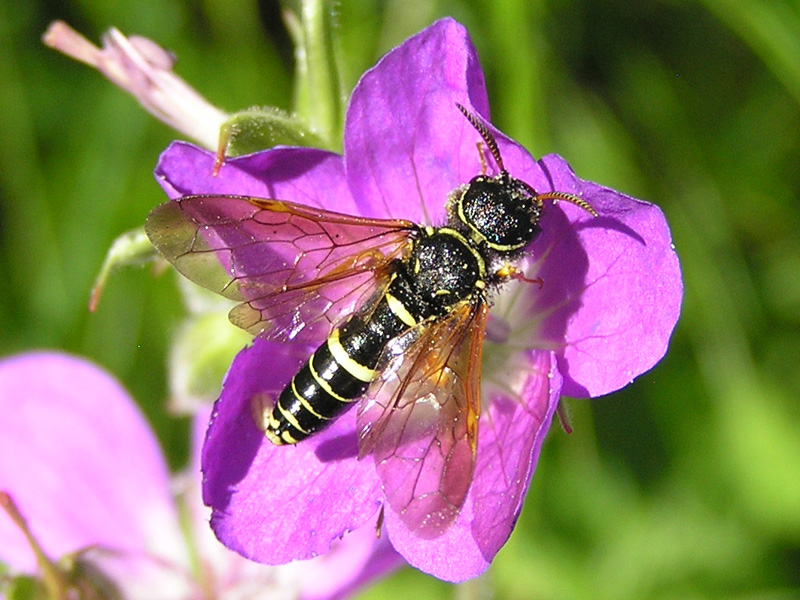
(481, 128)
(576, 200)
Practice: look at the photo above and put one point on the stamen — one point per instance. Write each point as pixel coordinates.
(512, 272)
(379, 524)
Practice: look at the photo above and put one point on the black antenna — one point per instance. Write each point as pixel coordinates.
(481, 128)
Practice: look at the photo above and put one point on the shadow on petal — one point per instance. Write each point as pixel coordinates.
(612, 224)
(563, 267)
(338, 448)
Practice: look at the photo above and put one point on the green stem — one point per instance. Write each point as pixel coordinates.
(318, 91)
(54, 580)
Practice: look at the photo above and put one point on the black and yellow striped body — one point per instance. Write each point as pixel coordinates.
(337, 374)
(442, 270)
(425, 279)
(490, 222)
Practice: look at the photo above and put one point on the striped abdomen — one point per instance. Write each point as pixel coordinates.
(341, 369)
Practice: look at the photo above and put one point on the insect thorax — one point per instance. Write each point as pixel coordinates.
(444, 268)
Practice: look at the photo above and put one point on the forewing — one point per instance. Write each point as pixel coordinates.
(420, 421)
(297, 270)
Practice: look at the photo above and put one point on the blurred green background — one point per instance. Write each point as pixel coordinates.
(684, 485)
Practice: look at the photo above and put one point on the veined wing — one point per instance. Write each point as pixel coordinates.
(296, 269)
(420, 421)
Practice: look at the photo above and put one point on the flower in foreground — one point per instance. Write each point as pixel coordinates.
(609, 301)
(101, 500)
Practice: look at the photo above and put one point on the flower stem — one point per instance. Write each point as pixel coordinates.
(318, 89)
(55, 582)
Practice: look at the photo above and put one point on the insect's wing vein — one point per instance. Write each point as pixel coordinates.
(420, 421)
(297, 270)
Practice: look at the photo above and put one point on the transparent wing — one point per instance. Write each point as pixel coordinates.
(420, 421)
(297, 270)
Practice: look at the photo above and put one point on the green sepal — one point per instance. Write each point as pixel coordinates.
(23, 587)
(261, 128)
(131, 248)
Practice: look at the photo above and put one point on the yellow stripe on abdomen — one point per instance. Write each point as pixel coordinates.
(350, 365)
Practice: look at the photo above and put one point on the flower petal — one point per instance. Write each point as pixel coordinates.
(144, 70)
(100, 477)
(355, 560)
(304, 175)
(620, 283)
(406, 144)
(509, 441)
(275, 504)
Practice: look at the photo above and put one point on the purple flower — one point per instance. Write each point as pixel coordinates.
(610, 298)
(81, 463)
(85, 471)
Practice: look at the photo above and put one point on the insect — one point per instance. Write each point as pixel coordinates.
(398, 311)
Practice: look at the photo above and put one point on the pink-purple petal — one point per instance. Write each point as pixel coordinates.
(406, 144)
(454, 556)
(276, 504)
(353, 562)
(512, 430)
(81, 463)
(622, 315)
(304, 175)
(356, 560)
(511, 438)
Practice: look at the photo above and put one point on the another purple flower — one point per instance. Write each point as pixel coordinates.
(610, 299)
(84, 469)
(81, 463)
